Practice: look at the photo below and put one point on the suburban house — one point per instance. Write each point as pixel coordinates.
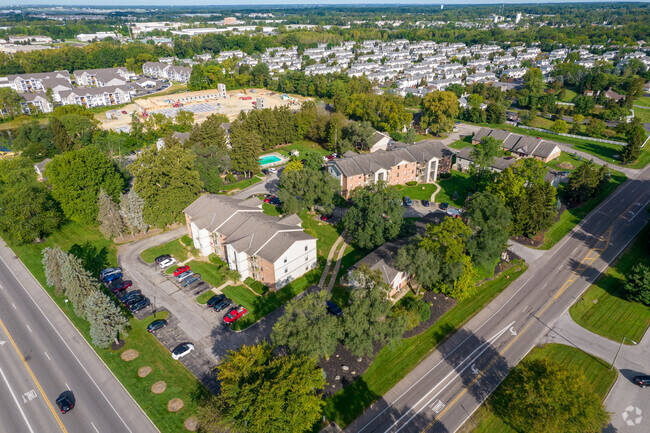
(464, 160)
(180, 74)
(34, 82)
(103, 77)
(381, 260)
(96, 96)
(522, 146)
(269, 249)
(421, 163)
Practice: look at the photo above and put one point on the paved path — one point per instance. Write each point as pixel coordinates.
(330, 256)
(268, 185)
(632, 361)
(337, 266)
(526, 253)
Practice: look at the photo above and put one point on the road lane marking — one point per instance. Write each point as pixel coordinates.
(67, 387)
(48, 356)
(92, 424)
(14, 305)
(29, 396)
(31, 373)
(20, 408)
(30, 329)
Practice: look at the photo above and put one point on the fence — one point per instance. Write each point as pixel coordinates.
(547, 131)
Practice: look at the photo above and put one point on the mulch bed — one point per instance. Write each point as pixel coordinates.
(440, 304)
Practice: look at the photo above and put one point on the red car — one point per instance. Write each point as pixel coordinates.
(234, 314)
(324, 217)
(180, 270)
(269, 198)
(121, 285)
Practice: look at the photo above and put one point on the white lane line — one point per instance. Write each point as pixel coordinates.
(20, 408)
(14, 305)
(525, 308)
(48, 356)
(30, 329)
(74, 354)
(67, 387)
(91, 423)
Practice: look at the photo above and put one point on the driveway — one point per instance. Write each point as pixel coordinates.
(268, 185)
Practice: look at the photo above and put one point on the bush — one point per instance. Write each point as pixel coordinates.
(186, 240)
(411, 183)
(230, 178)
(215, 259)
(445, 175)
(420, 308)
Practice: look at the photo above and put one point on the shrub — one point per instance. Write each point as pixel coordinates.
(417, 307)
(230, 178)
(411, 183)
(215, 259)
(186, 240)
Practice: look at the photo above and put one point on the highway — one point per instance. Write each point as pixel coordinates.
(447, 387)
(43, 355)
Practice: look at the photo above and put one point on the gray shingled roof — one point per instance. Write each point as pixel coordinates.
(500, 163)
(526, 144)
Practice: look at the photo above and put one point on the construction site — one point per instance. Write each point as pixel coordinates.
(201, 103)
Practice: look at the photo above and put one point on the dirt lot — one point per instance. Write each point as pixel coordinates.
(230, 106)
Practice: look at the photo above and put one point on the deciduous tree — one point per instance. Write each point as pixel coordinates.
(439, 110)
(490, 222)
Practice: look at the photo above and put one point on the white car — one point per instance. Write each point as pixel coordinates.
(273, 170)
(167, 263)
(181, 350)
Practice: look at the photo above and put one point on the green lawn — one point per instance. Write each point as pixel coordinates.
(458, 182)
(301, 146)
(242, 184)
(203, 297)
(269, 209)
(421, 191)
(568, 95)
(460, 144)
(326, 233)
(642, 115)
(643, 101)
(603, 308)
(565, 157)
(541, 122)
(260, 306)
(210, 273)
(99, 252)
(600, 381)
(174, 247)
(571, 217)
(257, 286)
(396, 361)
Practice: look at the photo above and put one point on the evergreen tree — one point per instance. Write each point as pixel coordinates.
(635, 137)
(106, 319)
(132, 211)
(245, 150)
(54, 261)
(62, 139)
(110, 221)
(78, 284)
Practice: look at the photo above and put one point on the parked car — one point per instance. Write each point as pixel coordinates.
(334, 309)
(268, 198)
(407, 201)
(275, 201)
(120, 285)
(64, 402)
(273, 170)
(184, 275)
(182, 350)
(642, 381)
(426, 203)
(191, 279)
(107, 271)
(443, 206)
(215, 300)
(140, 305)
(325, 217)
(180, 270)
(234, 314)
(162, 258)
(133, 300)
(167, 263)
(131, 294)
(265, 171)
(156, 325)
(222, 305)
(112, 277)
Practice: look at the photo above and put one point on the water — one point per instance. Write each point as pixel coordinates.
(269, 159)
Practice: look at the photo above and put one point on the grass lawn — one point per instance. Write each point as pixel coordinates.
(326, 233)
(394, 362)
(260, 306)
(568, 95)
(643, 101)
(600, 381)
(565, 157)
(241, 184)
(203, 297)
(301, 146)
(571, 217)
(460, 144)
(603, 308)
(458, 182)
(180, 382)
(210, 273)
(541, 122)
(174, 247)
(421, 191)
(269, 209)
(643, 115)
(257, 286)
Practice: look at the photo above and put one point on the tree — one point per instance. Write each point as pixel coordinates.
(637, 284)
(307, 328)
(483, 155)
(261, 393)
(54, 260)
(76, 178)
(110, 220)
(635, 136)
(583, 105)
(490, 222)
(132, 212)
(423, 265)
(495, 113)
(313, 160)
(62, 140)
(167, 181)
(198, 79)
(560, 126)
(410, 136)
(534, 84)
(78, 284)
(293, 165)
(106, 319)
(585, 181)
(10, 102)
(439, 110)
(576, 127)
(210, 133)
(375, 216)
(245, 149)
(34, 141)
(544, 396)
(475, 101)
(365, 322)
(358, 135)
(304, 189)
(595, 127)
(184, 119)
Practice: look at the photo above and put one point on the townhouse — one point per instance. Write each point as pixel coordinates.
(272, 250)
(522, 146)
(179, 74)
(90, 97)
(103, 77)
(34, 82)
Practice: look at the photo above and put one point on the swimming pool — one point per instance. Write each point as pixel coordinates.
(269, 159)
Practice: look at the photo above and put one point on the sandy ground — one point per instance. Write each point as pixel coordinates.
(230, 106)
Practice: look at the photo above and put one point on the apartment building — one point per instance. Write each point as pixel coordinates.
(522, 146)
(90, 97)
(179, 74)
(272, 250)
(35, 82)
(103, 77)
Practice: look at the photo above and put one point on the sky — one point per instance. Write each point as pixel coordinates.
(136, 3)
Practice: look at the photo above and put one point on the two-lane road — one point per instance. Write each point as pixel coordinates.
(442, 392)
(43, 355)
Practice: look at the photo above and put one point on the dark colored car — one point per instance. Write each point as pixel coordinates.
(131, 294)
(133, 300)
(334, 309)
(275, 201)
(65, 403)
(265, 171)
(215, 300)
(186, 282)
(222, 305)
(120, 285)
(444, 206)
(140, 305)
(112, 277)
(162, 258)
(642, 381)
(426, 203)
(407, 201)
(156, 325)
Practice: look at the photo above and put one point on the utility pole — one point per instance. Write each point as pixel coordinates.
(619, 351)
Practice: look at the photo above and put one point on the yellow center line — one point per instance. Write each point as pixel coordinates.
(582, 267)
(31, 373)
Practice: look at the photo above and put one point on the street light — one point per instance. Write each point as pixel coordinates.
(619, 350)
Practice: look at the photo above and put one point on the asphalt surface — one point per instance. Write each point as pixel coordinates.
(42, 355)
(442, 392)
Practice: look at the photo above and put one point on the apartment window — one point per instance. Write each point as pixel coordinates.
(306, 268)
(306, 257)
(285, 260)
(305, 247)
(286, 270)
(262, 277)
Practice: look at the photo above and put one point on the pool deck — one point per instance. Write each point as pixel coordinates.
(283, 160)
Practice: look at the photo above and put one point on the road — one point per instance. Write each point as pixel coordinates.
(441, 393)
(42, 355)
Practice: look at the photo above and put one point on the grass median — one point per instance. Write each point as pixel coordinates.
(175, 248)
(394, 362)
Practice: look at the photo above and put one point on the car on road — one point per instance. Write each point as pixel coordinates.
(182, 350)
(407, 201)
(180, 270)
(156, 325)
(235, 314)
(334, 309)
(120, 285)
(443, 206)
(167, 263)
(426, 203)
(140, 305)
(222, 305)
(215, 300)
(162, 258)
(65, 403)
(642, 381)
